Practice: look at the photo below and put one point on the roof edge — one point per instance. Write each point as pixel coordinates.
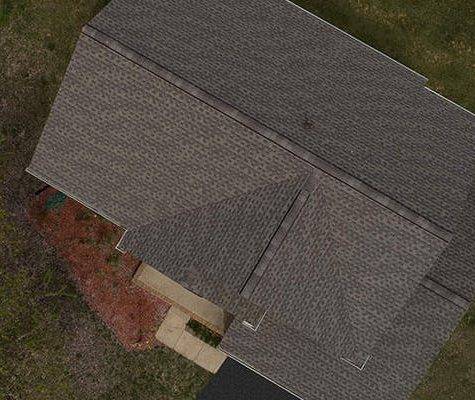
(57, 186)
(453, 103)
(275, 137)
(420, 78)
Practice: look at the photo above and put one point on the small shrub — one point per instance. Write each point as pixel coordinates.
(114, 259)
(5, 11)
(204, 333)
(469, 319)
(84, 215)
(107, 238)
(88, 240)
(55, 201)
(50, 45)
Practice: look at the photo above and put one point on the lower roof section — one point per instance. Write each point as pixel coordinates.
(394, 368)
(236, 382)
(345, 269)
(317, 87)
(213, 250)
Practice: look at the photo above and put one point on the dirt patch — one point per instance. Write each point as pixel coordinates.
(87, 242)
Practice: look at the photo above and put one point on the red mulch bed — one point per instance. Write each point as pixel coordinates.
(103, 274)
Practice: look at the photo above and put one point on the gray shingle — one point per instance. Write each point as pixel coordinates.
(455, 269)
(268, 133)
(316, 86)
(136, 148)
(213, 250)
(345, 269)
(396, 365)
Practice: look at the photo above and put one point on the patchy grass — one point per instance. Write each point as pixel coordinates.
(452, 375)
(51, 345)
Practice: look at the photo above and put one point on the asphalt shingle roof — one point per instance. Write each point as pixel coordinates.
(213, 250)
(455, 268)
(397, 363)
(136, 148)
(345, 269)
(315, 85)
(300, 179)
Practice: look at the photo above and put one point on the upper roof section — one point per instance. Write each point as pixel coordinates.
(136, 149)
(320, 88)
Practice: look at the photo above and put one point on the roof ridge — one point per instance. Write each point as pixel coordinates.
(279, 236)
(268, 133)
(445, 292)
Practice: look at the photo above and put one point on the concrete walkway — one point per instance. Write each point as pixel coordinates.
(185, 305)
(200, 309)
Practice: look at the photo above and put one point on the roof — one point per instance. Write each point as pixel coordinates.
(455, 268)
(236, 382)
(396, 366)
(136, 148)
(344, 270)
(318, 208)
(212, 250)
(335, 97)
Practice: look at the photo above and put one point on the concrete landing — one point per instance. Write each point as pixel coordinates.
(198, 308)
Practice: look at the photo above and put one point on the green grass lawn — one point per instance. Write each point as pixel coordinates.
(51, 344)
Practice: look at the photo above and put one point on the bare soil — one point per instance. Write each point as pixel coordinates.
(87, 242)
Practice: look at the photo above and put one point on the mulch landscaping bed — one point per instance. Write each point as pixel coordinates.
(87, 243)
